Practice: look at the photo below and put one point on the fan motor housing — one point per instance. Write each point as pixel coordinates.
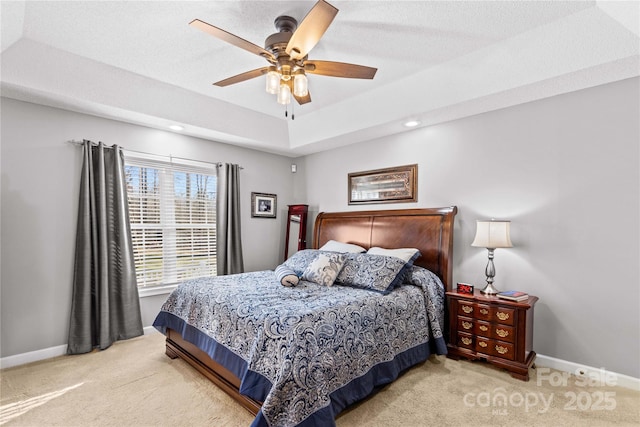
(277, 43)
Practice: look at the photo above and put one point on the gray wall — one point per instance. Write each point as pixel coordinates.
(565, 171)
(40, 182)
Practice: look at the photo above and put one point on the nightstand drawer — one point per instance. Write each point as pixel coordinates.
(502, 349)
(483, 328)
(466, 309)
(465, 324)
(465, 340)
(503, 333)
(491, 347)
(503, 315)
(483, 345)
(493, 330)
(483, 312)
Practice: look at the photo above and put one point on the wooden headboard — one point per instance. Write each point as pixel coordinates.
(429, 230)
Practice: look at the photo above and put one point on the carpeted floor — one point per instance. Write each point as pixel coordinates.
(133, 383)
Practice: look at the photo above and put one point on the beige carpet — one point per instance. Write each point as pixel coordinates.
(134, 384)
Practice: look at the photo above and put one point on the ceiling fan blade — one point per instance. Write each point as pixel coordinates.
(311, 29)
(242, 77)
(339, 69)
(232, 39)
(303, 99)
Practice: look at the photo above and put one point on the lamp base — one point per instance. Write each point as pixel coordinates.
(489, 289)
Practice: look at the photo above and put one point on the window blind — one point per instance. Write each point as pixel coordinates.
(172, 210)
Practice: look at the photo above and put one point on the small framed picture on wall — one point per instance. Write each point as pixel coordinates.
(263, 205)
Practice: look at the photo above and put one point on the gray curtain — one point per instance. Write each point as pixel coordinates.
(105, 305)
(229, 250)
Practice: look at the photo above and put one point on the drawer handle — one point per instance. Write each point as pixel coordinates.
(465, 340)
(502, 333)
(482, 343)
(467, 309)
(467, 325)
(484, 311)
(502, 316)
(484, 328)
(502, 350)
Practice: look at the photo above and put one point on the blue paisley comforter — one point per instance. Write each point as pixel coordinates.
(308, 352)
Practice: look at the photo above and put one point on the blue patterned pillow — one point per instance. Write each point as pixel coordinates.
(325, 268)
(299, 261)
(378, 273)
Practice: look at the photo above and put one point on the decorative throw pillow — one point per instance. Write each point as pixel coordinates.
(299, 261)
(335, 246)
(378, 273)
(406, 254)
(325, 268)
(286, 276)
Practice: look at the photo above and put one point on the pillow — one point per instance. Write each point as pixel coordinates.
(286, 276)
(378, 273)
(299, 261)
(335, 246)
(325, 268)
(407, 254)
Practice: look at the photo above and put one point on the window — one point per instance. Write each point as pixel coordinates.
(172, 210)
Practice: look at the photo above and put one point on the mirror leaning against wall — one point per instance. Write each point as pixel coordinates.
(296, 234)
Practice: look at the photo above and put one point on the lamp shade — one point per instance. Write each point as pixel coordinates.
(273, 82)
(492, 234)
(300, 85)
(284, 94)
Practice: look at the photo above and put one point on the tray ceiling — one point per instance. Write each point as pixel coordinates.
(141, 62)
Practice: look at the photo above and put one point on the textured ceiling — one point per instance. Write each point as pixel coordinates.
(142, 63)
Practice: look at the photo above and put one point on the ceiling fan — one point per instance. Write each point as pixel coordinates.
(287, 53)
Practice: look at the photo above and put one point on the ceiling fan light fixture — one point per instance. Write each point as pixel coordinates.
(287, 52)
(300, 85)
(273, 82)
(284, 94)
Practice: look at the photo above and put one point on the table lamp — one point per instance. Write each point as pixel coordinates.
(491, 234)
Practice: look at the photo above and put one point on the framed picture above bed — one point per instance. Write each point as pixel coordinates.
(390, 185)
(263, 205)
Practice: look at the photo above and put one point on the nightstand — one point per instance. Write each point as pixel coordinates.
(492, 329)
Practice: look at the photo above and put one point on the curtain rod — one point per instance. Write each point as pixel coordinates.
(79, 143)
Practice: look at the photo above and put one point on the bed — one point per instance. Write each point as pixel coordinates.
(299, 355)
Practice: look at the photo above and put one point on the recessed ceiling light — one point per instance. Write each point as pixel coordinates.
(176, 127)
(411, 123)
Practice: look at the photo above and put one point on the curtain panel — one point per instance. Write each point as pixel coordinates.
(229, 251)
(105, 305)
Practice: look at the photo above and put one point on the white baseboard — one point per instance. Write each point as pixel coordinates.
(32, 356)
(588, 372)
(47, 353)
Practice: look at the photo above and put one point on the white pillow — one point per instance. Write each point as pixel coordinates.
(325, 268)
(405, 254)
(334, 246)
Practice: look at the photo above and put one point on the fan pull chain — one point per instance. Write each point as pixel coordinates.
(286, 112)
